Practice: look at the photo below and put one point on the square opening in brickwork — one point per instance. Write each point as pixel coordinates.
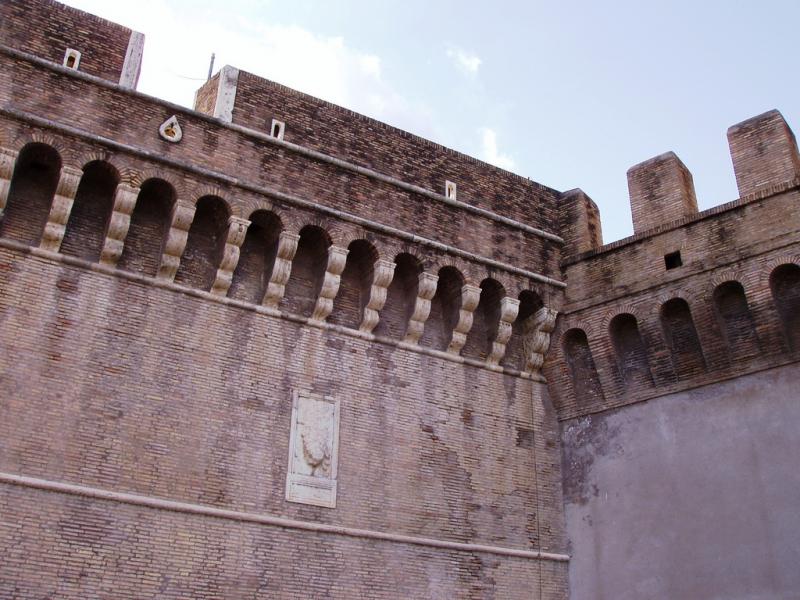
(277, 128)
(72, 58)
(450, 190)
(673, 260)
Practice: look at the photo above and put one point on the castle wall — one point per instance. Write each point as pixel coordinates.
(117, 385)
(673, 369)
(690, 495)
(240, 362)
(183, 299)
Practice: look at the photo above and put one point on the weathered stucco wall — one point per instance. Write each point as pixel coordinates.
(692, 495)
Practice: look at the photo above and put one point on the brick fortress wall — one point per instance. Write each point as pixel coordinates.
(671, 369)
(162, 304)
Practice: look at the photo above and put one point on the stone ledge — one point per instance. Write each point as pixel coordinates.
(263, 519)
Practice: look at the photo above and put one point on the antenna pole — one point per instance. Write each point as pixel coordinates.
(211, 66)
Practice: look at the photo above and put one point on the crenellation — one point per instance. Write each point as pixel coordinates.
(47, 28)
(764, 152)
(580, 223)
(661, 191)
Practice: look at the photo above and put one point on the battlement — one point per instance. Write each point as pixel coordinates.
(693, 297)
(765, 158)
(73, 38)
(248, 100)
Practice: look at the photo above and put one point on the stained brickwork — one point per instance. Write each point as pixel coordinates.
(164, 301)
(119, 385)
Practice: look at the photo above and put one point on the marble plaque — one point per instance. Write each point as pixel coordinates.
(313, 450)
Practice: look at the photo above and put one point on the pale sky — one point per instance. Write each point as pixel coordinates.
(570, 94)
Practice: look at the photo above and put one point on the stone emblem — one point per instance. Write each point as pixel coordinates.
(313, 450)
(170, 130)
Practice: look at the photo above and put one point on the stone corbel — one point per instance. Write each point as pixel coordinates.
(124, 202)
(237, 228)
(8, 159)
(282, 268)
(470, 296)
(382, 275)
(509, 308)
(330, 284)
(536, 337)
(57, 219)
(422, 307)
(182, 216)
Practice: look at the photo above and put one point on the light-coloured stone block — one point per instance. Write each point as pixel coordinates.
(313, 450)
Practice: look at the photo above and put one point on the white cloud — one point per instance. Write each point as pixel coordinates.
(467, 62)
(178, 48)
(489, 151)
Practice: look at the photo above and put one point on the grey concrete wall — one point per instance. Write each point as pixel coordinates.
(690, 496)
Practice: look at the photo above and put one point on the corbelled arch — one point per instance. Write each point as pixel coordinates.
(485, 320)
(784, 282)
(680, 334)
(356, 283)
(401, 296)
(445, 306)
(91, 210)
(581, 367)
(176, 182)
(257, 257)
(530, 303)
(204, 243)
(37, 136)
(33, 185)
(308, 269)
(735, 320)
(632, 362)
(149, 225)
